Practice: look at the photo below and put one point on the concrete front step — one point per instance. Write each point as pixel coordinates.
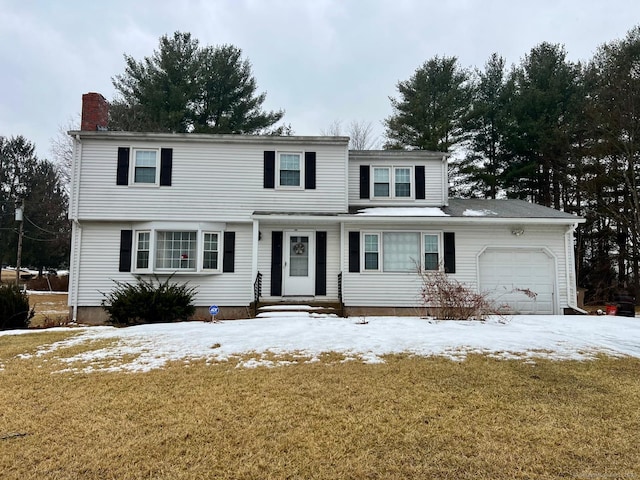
(291, 307)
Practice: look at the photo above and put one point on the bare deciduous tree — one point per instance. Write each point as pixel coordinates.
(361, 136)
(62, 149)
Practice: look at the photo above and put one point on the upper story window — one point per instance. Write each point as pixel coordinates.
(392, 182)
(290, 169)
(145, 167)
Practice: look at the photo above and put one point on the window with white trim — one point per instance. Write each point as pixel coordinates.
(290, 169)
(402, 182)
(210, 251)
(371, 251)
(143, 248)
(401, 251)
(381, 178)
(145, 167)
(431, 251)
(177, 250)
(392, 182)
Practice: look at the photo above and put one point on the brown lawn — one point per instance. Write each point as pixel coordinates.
(407, 418)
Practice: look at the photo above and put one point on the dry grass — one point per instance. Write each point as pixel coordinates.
(51, 309)
(407, 418)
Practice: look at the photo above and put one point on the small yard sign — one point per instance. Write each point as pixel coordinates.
(213, 310)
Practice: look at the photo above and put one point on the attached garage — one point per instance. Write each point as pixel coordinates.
(506, 273)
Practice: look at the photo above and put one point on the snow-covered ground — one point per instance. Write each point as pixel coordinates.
(307, 335)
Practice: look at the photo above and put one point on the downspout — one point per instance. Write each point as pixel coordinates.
(76, 228)
(570, 266)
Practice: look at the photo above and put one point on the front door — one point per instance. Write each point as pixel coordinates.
(299, 264)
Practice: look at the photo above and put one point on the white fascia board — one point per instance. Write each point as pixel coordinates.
(292, 218)
(208, 138)
(462, 220)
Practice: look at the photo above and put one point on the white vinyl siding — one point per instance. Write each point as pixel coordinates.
(402, 289)
(97, 271)
(436, 181)
(209, 180)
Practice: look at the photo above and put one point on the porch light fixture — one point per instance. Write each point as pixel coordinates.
(517, 231)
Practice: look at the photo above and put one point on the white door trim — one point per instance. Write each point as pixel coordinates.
(299, 284)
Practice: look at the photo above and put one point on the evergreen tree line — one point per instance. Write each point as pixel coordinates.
(38, 186)
(555, 132)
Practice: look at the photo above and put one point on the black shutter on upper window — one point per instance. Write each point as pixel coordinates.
(122, 173)
(276, 264)
(269, 169)
(126, 242)
(364, 181)
(449, 252)
(354, 251)
(419, 174)
(321, 263)
(166, 165)
(228, 252)
(310, 170)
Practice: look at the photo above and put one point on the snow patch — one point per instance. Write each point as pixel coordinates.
(403, 212)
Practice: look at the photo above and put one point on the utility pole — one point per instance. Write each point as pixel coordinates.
(19, 219)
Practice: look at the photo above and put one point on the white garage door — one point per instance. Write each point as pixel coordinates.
(505, 273)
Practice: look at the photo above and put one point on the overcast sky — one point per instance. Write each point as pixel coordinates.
(319, 60)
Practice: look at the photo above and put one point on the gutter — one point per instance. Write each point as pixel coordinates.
(76, 244)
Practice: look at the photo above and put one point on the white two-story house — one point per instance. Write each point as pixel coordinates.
(251, 219)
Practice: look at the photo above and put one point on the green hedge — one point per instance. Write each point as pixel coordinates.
(14, 308)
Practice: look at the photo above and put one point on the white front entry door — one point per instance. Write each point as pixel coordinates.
(299, 264)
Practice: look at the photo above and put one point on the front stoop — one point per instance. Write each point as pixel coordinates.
(299, 306)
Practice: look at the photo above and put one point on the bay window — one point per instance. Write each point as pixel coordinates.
(169, 250)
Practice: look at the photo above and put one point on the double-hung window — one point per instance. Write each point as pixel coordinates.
(210, 251)
(371, 251)
(145, 167)
(290, 169)
(173, 250)
(431, 251)
(392, 182)
(402, 182)
(381, 179)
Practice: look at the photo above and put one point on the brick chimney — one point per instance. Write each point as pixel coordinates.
(95, 112)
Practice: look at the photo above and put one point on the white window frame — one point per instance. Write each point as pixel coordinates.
(300, 185)
(381, 251)
(136, 250)
(132, 173)
(218, 252)
(392, 169)
(199, 251)
(364, 252)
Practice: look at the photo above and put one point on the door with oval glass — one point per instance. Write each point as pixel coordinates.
(299, 264)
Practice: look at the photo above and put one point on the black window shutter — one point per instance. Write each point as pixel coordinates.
(419, 174)
(166, 165)
(354, 251)
(449, 252)
(364, 181)
(126, 242)
(321, 263)
(310, 170)
(122, 174)
(269, 169)
(276, 264)
(228, 252)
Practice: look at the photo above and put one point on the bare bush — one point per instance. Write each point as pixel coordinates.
(445, 298)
